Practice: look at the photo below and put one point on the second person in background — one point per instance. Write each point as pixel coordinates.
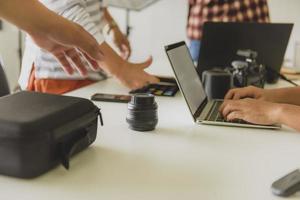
(42, 73)
(201, 11)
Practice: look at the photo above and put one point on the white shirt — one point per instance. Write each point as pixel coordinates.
(84, 12)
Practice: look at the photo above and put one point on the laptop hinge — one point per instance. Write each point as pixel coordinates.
(200, 110)
(205, 112)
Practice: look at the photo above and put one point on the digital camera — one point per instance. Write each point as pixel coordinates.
(247, 71)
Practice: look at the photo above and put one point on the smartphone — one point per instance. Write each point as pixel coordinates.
(166, 87)
(111, 98)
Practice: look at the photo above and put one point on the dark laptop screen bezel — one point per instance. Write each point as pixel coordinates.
(202, 105)
(221, 40)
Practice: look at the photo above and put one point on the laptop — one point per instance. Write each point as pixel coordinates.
(202, 110)
(221, 41)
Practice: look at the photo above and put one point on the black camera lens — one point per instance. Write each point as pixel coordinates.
(142, 112)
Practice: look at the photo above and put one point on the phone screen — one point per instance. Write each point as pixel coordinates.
(111, 98)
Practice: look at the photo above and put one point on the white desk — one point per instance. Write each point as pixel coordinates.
(178, 161)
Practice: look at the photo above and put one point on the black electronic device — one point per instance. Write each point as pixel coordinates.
(166, 87)
(287, 185)
(221, 41)
(111, 98)
(216, 83)
(247, 71)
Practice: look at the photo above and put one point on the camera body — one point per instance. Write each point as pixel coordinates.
(247, 71)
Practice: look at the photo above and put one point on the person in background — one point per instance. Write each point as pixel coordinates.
(261, 106)
(42, 73)
(201, 11)
(60, 37)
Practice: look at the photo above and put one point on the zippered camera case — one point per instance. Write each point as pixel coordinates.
(39, 131)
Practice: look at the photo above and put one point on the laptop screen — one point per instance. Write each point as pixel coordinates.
(187, 76)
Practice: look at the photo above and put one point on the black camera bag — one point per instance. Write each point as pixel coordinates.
(39, 131)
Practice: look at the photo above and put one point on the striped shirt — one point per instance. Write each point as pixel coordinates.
(86, 13)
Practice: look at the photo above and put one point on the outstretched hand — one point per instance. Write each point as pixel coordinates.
(73, 53)
(134, 76)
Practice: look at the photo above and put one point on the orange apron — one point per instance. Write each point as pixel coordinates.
(54, 86)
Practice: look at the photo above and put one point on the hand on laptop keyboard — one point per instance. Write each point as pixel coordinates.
(220, 118)
(251, 110)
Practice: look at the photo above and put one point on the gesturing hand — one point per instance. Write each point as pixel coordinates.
(66, 40)
(71, 50)
(134, 76)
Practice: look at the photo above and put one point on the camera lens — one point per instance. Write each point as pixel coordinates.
(142, 112)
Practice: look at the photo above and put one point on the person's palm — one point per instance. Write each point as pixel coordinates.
(134, 76)
(71, 50)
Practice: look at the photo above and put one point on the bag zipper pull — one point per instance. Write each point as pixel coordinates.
(100, 117)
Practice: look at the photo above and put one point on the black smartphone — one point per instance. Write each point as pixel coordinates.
(166, 87)
(167, 79)
(111, 98)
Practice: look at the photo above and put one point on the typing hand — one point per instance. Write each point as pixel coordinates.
(247, 92)
(251, 110)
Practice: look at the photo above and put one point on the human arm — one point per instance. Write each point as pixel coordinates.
(119, 39)
(281, 95)
(45, 28)
(129, 74)
(262, 112)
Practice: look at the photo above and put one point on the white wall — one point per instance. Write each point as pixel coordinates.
(9, 53)
(156, 26)
(165, 22)
(161, 24)
(287, 11)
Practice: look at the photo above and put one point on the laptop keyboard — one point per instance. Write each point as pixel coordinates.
(216, 116)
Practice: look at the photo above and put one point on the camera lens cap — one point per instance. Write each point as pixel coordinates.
(142, 99)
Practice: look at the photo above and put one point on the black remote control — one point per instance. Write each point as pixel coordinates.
(287, 185)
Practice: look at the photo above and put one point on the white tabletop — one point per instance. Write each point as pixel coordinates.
(179, 160)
